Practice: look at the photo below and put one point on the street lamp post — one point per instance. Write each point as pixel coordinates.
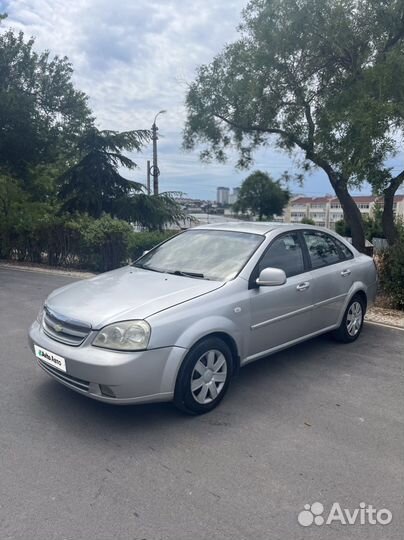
(155, 171)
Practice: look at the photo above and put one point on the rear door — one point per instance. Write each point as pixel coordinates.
(281, 314)
(331, 265)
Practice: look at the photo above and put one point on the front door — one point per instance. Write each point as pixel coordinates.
(281, 314)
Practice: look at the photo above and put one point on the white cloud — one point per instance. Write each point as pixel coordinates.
(134, 58)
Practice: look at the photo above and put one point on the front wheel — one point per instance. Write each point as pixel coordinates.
(204, 376)
(352, 322)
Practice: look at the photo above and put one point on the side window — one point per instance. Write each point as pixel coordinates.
(346, 252)
(322, 249)
(284, 253)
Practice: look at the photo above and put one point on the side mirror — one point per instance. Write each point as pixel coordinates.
(271, 277)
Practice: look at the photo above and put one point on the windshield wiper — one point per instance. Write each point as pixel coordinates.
(143, 267)
(187, 274)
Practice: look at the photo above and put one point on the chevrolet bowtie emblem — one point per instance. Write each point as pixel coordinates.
(58, 327)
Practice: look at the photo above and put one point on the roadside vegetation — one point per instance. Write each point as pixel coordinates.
(63, 198)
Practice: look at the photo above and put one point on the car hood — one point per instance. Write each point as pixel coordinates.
(124, 294)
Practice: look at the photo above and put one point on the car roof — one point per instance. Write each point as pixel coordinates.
(255, 227)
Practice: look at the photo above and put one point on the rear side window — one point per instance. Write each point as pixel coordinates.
(345, 251)
(323, 249)
(284, 253)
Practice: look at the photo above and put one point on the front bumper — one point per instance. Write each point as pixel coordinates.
(112, 376)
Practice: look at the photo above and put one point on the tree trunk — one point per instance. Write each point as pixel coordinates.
(352, 213)
(389, 227)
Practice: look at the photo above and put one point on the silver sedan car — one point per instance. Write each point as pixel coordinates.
(179, 323)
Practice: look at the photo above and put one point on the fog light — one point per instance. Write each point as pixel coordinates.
(107, 390)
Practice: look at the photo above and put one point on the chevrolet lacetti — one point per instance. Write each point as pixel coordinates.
(179, 323)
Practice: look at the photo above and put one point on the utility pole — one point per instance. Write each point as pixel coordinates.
(155, 171)
(148, 177)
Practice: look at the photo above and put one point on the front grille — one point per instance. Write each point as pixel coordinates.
(64, 377)
(64, 330)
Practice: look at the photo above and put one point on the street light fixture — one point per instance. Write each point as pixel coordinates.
(155, 171)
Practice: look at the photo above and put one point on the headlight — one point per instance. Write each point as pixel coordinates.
(124, 336)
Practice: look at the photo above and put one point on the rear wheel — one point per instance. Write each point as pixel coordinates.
(352, 322)
(204, 376)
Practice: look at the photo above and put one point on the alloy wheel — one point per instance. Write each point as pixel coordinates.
(354, 319)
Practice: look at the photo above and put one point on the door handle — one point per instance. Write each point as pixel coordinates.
(303, 286)
(345, 272)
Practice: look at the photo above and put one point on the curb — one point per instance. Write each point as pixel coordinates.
(385, 325)
(55, 272)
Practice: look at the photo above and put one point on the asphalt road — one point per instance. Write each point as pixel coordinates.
(320, 422)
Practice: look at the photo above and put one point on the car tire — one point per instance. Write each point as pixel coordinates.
(204, 376)
(352, 321)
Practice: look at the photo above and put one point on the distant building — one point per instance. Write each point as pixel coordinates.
(234, 196)
(223, 195)
(326, 211)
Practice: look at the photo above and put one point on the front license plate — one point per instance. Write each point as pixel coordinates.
(50, 358)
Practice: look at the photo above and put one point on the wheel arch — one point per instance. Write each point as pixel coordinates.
(362, 295)
(358, 289)
(231, 343)
(227, 339)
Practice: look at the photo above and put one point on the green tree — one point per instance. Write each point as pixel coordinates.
(322, 79)
(261, 196)
(307, 221)
(41, 113)
(372, 224)
(94, 185)
(342, 228)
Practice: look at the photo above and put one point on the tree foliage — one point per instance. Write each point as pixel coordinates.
(261, 196)
(41, 113)
(321, 79)
(94, 184)
(307, 221)
(62, 195)
(373, 225)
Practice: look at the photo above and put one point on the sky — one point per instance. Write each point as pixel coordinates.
(136, 57)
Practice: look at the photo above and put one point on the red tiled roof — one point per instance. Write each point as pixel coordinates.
(364, 199)
(301, 200)
(320, 200)
(310, 200)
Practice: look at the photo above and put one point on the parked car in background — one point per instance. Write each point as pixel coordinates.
(180, 322)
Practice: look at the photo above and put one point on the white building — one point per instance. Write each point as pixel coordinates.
(326, 211)
(223, 195)
(234, 196)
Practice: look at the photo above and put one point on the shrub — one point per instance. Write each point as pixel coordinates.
(307, 221)
(142, 241)
(391, 270)
(77, 241)
(342, 228)
(102, 243)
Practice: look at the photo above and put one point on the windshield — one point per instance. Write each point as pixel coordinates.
(208, 254)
